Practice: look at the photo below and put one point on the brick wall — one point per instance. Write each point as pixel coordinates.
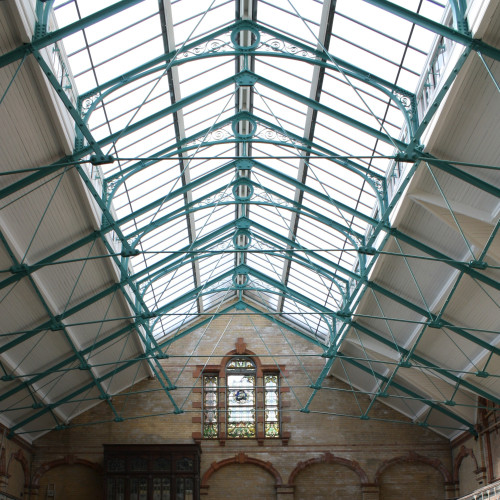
(15, 463)
(476, 460)
(326, 452)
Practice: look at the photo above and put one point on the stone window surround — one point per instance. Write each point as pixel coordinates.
(261, 370)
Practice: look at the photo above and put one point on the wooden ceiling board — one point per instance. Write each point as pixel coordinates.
(447, 349)
(20, 309)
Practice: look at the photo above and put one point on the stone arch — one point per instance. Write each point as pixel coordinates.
(66, 460)
(19, 457)
(241, 458)
(415, 458)
(463, 453)
(240, 350)
(329, 458)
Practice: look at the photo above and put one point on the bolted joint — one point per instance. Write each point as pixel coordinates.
(244, 164)
(240, 305)
(477, 264)
(243, 223)
(367, 250)
(436, 323)
(101, 159)
(245, 79)
(133, 252)
(406, 157)
(344, 315)
(147, 316)
(22, 269)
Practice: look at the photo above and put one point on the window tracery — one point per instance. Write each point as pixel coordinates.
(241, 399)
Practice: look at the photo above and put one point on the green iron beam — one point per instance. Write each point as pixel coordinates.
(54, 36)
(408, 356)
(295, 245)
(318, 59)
(462, 175)
(75, 114)
(463, 267)
(288, 327)
(409, 392)
(303, 261)
(69, 397)
(25, 384)
(423, 312)
(53, 320)
(438, 28)
(326, 110)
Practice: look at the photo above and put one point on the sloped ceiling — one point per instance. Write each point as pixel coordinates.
(330, 165)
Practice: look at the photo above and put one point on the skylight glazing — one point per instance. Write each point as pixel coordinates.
(317, 126)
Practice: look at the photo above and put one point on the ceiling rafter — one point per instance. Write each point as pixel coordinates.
(271, 200)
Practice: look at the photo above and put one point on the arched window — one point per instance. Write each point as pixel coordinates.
(240, 398)
(246, 406)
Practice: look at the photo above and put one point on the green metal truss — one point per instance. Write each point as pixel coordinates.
(131, 230)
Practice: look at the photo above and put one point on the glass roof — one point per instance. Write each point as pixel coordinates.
(158, 88)
(260, 157)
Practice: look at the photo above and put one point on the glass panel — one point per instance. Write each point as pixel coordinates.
(210, 403)
(110, 489)
(179, 495)
(157, 488)
(241, 406)
(161, 488)
(165, 488)
(271, 406)
(240, 378)
(139, 488)
(134, 489)
(120, 489)
(189, 489)
(240, 364)
(115, 489)
(184, 488)
(143, 489)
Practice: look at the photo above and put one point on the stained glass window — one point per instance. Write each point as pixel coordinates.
(210, 404)
(240, 398)
(271, 406)
(242, 402)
